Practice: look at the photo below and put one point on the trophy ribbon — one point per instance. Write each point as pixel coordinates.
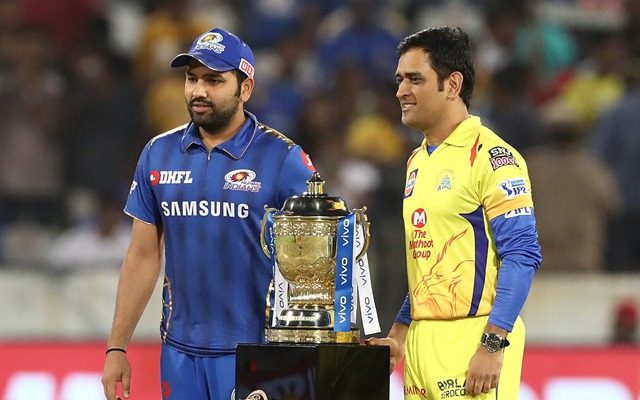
(344, 274)
(368, 311)
(281, 286)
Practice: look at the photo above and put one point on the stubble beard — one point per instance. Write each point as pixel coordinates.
(215, 119)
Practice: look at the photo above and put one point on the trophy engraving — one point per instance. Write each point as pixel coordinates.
(303, 245)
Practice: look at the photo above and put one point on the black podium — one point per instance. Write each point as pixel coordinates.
(312, 372)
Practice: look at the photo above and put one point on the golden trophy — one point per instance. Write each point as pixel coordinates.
(303, 245)
(321, 273)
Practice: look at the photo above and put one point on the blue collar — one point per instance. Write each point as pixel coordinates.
(235, 147)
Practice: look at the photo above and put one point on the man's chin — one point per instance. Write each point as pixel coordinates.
(408, 121)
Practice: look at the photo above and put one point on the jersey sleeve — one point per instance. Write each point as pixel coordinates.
(502, 179)
(296, 170)
(516, 240)
(141, 202)
(404, 314)
(504, 190)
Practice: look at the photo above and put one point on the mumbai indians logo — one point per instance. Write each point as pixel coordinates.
(211, 41)
(411, 183)
(241, 179)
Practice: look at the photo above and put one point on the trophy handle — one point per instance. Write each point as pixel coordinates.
(269, 307)
(263, 229)
(361, 218)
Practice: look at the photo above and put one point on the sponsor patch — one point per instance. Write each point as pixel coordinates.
(169, 177)
(411, 182)
(246, 67)
(514, 187)
(413, 390)
(500, 157)
(419, 218)
(518, 212)
(241, 179)
(452, 387)
(133, 187)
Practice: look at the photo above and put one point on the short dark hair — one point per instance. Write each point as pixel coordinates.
(449, 50)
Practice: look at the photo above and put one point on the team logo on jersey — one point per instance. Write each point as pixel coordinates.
(411, 183)
(419, 218)
(500, 157)
(211, 41)
(445, 181)
(518, 212)
(241, 179)
(170, 177)
(514, 187)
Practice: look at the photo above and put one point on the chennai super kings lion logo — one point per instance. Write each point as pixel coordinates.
(438, 289)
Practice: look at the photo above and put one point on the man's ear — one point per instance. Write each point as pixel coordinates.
(246, 88)
(454, 84)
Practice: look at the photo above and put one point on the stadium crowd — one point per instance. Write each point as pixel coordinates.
(85, 83)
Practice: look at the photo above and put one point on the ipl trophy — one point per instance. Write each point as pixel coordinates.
(304, 243)
(321, 273)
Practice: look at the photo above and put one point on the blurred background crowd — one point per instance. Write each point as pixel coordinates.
(84, 84)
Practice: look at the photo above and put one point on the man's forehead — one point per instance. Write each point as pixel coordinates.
(196, 67)
(413, 62)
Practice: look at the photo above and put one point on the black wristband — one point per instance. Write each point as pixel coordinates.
(110, 349)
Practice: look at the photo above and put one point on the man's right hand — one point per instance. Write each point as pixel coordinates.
(116, 369)
(395, 340)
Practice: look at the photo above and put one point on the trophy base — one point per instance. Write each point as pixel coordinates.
(307, 372)
(311, 335)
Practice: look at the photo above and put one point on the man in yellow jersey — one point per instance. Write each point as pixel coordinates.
(471, 242)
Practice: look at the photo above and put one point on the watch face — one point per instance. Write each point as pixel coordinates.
(492, 342)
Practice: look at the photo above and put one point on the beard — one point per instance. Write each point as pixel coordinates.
(218, 117)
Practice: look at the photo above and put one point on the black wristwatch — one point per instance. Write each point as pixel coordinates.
(493, 342)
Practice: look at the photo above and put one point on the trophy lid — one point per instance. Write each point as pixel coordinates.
(314, 202)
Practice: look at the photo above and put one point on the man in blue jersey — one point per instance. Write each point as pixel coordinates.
(470, 234)
(199, 191)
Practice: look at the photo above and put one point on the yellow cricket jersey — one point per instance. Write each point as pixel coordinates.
(450, 197)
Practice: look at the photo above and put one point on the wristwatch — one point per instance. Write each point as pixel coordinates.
(493, 342)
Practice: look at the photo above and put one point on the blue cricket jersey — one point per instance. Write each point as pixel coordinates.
(210, 206)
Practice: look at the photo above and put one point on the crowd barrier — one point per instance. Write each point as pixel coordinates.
(562, 309)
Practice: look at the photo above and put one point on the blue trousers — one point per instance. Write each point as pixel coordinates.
(184, 376)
